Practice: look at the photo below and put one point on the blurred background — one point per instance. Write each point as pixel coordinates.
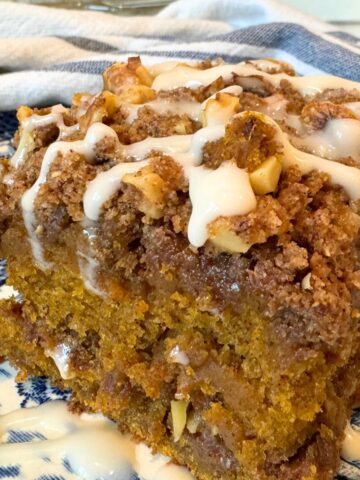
(343, 12)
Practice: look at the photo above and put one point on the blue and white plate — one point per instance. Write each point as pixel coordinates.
(38, 391)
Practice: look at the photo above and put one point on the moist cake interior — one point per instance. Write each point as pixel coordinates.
(185, 243)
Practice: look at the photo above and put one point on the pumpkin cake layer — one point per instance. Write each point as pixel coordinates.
(185, 244)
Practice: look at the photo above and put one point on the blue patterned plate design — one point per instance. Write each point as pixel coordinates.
(38, 392)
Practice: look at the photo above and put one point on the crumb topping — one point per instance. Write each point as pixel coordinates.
(151, 146)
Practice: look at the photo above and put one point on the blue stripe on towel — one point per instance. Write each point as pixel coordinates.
(309, 48)
(302, 44)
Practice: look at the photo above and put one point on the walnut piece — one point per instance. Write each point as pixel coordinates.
(178, 415)
(152, 186)
(265, 178)
(121, 76)
(223, 236)
(219, 110)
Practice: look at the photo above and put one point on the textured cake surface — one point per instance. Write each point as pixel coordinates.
(185, 244)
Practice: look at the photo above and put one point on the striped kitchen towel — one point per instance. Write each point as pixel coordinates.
(47, 54)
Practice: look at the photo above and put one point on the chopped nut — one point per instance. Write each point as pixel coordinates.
(305, 282)
(80, 98)
(178, 356)
(228, 241)
(179, 396)
(111, 102)
(144, 76)
(23, 113)
(102, 106)
(193, 422)
(148, 182)
(180, 128)
(266, 177)
(255, 83)
(150, 210)
(178, 415)
(219, 110)
(225, 238)
(120, 76)
(117, 77)
(39, 230)
(273, 65)
(151, 185)
(137, 94)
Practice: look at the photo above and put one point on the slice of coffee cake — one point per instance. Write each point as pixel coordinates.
(186, 247)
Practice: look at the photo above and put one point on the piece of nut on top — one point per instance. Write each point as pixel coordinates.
(121, 76)
(261, 154)
(223, 236)
(102, 106)
(178, 417)
(23, 112)
(152, 187)
(265, 178)
(219, 110)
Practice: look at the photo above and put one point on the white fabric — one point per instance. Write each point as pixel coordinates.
(22, 20)
(241, 13)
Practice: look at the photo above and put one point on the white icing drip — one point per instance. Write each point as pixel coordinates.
(295, 122)
(65, 131)
(184, 76)
(88, 266)
(343, 175)
(26, 145)
(163, 67)
(105, 185)
(59, 109)
(185, 149)
(85, 147)
(347, 177)
(39, 121)
(163, 106)
(178, 356)
(36, 247)
(232, 89)
(157, 467)
(339, 138)
(91, 444)
(201, 138)
(190, 108)
(351, 445)
(311, 85)
(61, 356)
(225, 191)
(168, 145)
